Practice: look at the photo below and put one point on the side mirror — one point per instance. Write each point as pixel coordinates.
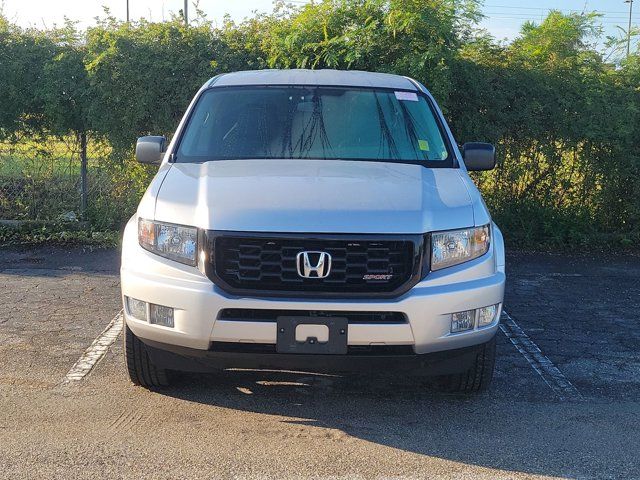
(150, 149)
(479, 156)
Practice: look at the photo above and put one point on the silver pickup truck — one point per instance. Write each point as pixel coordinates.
(316, 221)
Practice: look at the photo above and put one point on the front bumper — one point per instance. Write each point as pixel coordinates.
(178, 358)
(197, 303)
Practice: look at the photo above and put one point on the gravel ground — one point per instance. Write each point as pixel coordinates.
(580, 310)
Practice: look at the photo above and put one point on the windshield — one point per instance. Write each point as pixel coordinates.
(312, 122)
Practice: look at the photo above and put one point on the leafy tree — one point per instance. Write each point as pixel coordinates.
(559, 41)
(565, 118)
(409, 37)
(64, 90)
(23, 54)
(144, 74)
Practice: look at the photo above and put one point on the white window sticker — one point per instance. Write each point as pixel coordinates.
(407, 96)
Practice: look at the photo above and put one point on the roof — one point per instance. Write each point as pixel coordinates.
(342, 78)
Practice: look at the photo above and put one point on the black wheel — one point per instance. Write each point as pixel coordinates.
(141, 370)
(475, 379)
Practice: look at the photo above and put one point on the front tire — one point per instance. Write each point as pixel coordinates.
(475, 379)
(139, 366)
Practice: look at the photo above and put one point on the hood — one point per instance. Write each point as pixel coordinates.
(314, 196)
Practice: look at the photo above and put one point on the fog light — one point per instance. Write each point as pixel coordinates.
(137, 308)
(161, 315)
(462, 321)
(487, 315)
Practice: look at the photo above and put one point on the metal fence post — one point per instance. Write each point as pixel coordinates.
(83, 175)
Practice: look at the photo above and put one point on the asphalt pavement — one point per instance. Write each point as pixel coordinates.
(579, 311)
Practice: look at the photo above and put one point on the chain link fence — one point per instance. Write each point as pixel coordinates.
(44, 181)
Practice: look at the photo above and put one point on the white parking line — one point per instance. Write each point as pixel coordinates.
(538, 361)
(96, 351)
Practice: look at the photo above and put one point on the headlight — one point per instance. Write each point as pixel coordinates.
(458, 246)
(170, 241)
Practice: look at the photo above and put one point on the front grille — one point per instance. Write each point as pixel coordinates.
(361, 265)
(271, 315)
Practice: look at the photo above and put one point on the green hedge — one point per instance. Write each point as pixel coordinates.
(565, 121)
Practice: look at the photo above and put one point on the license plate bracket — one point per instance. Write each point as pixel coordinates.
(336, 343)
